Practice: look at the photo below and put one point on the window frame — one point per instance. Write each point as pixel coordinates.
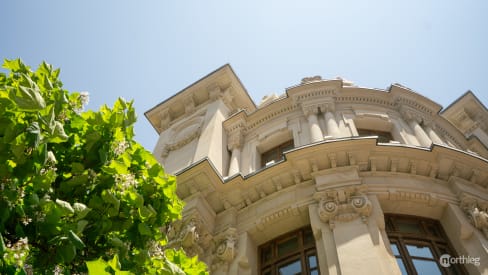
(279, 150)
(430, 235)
(304, 250)
(383, 136)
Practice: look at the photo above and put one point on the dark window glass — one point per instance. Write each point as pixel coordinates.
(419, 251)
(293, 268)
(287, 246)
(292, 253)
(276, 154)
(426, 267)
(417, 244)
(383, 137)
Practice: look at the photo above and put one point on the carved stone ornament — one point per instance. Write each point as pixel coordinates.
(342, 206)
(311, 79)
(477, 213)
(183, 135)
(190, 235)
(225, 249)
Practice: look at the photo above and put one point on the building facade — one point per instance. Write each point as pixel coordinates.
(328, 178)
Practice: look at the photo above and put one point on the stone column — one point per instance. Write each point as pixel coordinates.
(432, 134)
(414, 120)
(313, 122)
(235, 147)
(420, 133)
(396, 131)
(332, 126)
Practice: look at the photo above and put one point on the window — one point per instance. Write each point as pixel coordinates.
(275, 154)
(291, 254)
(418, 243)
(383, 137)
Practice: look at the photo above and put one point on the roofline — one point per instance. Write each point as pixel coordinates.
(199, 80)
(461, 97)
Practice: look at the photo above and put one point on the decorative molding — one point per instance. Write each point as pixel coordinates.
(185, 235)
(342, 205)
(291, 210)
(183, 134)
(225, 249)
(477, 212)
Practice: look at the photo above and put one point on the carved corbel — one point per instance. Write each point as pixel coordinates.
(189, 104)
(190, 235)
(477, 212)
(225, 249)
(214, 92)
(164, 119)
(342, 205)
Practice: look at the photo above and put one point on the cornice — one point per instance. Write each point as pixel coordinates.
(303, 164)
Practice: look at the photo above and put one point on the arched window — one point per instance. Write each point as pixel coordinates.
(418, 244)
(290, 254)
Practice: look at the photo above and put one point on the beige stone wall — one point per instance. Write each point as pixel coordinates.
(336, 182)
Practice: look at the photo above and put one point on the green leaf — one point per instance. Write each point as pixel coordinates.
(58, 135)
(114, 263)
(144, 229)
(65, 207)
(14, 65)
(3, 248)
(75, 240)
(98, 267)
(67, 252)
(28, 98)
(80, 225)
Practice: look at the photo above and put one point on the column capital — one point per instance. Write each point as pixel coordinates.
(310, 110)
(342, 205)
(235, 141)
(411, 115)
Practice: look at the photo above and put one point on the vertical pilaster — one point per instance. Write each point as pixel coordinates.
(355, 236)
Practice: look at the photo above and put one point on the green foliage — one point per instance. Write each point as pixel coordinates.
(77, 193)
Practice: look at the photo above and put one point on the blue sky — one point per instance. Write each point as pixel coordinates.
(149, 50)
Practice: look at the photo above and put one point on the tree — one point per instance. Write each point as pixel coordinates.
(77, 193)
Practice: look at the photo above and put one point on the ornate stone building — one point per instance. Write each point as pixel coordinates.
(328, 178)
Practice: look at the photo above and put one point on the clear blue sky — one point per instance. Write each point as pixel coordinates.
(149, 50)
